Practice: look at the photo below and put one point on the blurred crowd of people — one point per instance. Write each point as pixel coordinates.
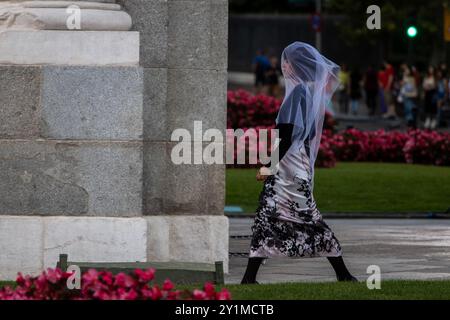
(267, 74)
(422, 99)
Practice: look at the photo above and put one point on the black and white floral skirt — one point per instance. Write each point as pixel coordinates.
(288, 223)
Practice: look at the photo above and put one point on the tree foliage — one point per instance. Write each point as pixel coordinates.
(271, 6)
(394, 14)
(390, 42)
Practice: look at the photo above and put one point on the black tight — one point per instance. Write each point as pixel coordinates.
(342, 273)
(252, 269)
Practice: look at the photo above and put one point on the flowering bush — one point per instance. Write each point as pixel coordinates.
(103, 285)
(349, 145)
(427, 147)
(326, 157)
(356, 145)
(416, 146)
(385, 146)
(245, 110)
(257, 112)
(244, 149)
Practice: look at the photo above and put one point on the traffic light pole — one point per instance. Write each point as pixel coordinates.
(410, 51)
(319, 32)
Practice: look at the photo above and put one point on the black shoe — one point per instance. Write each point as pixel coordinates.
(244, 281)
(349, 278)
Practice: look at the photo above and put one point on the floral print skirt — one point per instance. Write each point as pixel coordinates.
(288, 223)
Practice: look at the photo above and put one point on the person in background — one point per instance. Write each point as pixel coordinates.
(344, 81)
(443, 68)
(381, 79)
(260, 66)
(445, 108)
(416, 74)
(355, 90)
(371, 89)
(272, 75)
(441, 96)
(429, 88)
(386, 79)
(396, 87)
(408, 95)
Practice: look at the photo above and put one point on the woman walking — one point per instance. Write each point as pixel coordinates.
(408, 95)
(287, 221)
(355, 90)
(429, 88)
(371, 88)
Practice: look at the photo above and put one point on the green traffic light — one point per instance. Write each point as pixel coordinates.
(411, 32)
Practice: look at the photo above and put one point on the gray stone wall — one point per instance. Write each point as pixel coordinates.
(184, 57)
(71, 140)
(126, 111)
(85, 145)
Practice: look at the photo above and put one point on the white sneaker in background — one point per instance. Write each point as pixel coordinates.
(433, 124)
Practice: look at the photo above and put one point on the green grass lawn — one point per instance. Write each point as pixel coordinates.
(390, 290)
(359, 187)
(7, 283)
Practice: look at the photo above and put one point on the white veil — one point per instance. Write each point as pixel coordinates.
(310, 81)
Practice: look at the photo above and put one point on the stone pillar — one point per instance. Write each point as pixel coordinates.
(85, 132)
(71, 136)
(184, 57)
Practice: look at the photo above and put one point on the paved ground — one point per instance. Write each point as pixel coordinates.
(403, 248)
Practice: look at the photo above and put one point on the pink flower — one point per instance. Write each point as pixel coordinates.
(209, 289)
(199, 295)
(168, 285)
(90, 275)
(54, 275)
(124, 280)
(123, 294)
(51, 285)
(156, 293)
(107, 278)
(145, 275)
(224, 294)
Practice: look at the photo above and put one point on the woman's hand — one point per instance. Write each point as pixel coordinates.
(263, 173)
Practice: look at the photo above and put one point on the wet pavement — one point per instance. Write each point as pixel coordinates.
(402, 248)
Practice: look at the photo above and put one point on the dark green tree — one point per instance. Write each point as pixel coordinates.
(271, 6)
(392, 40)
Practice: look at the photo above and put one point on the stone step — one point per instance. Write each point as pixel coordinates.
(50, 47)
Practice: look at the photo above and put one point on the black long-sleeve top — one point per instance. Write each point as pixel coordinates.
(285, 136)
(296, 98)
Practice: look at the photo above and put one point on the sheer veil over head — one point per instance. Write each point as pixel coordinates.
(310, 81)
